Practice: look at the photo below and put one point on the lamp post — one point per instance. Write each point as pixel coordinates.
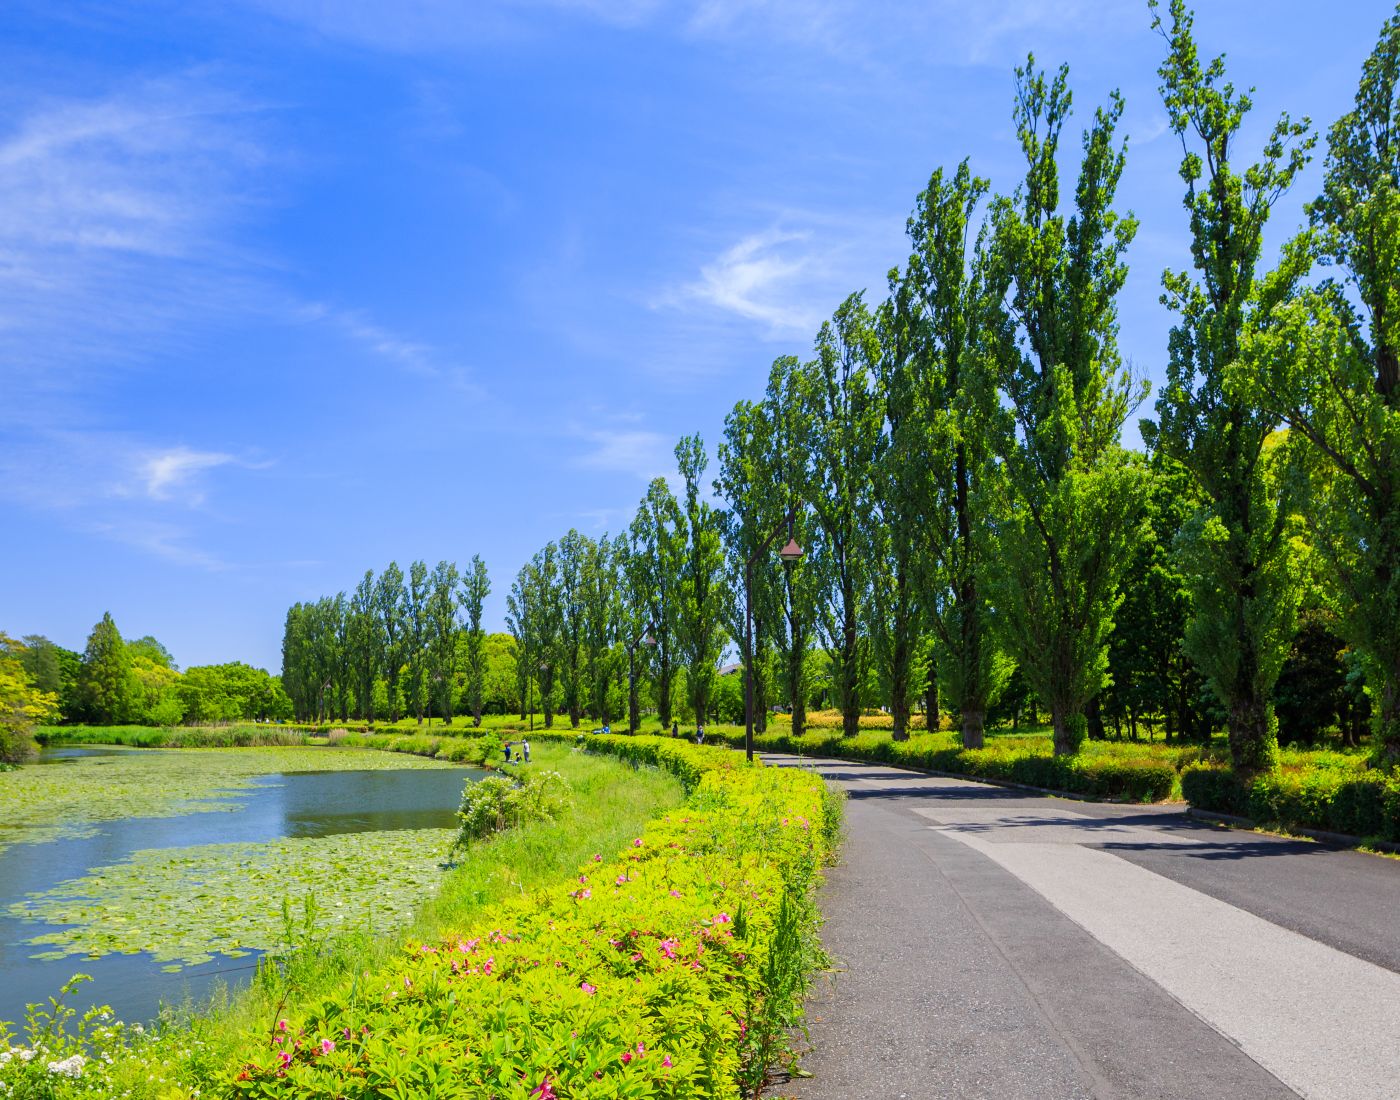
(789, 553)
(633, 703)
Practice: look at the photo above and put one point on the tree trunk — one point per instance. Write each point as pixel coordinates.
(760, 698)
(973, 728)
(1253, 736)
(663, 691)
(850, 671)
(1095, 719)
(797, 658)
(1388, 717)
(931, 698)
(1069, 729)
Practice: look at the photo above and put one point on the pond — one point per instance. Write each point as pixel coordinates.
(158, 885)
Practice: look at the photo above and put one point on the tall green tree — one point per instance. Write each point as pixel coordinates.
(842, 422)
(106, 681)
(1068, 500)
(390, 599)
(893, 539)
(942, 392)
(520, 621)
(1243, 568)
(700, 588)
(655, 556)
(1331, 371)
(756, 508)
(573, 550)
(416, 627)
(799, 587)
(476, 586)
(442, 637)
(53, 670)
(601, 613)
(362, 637)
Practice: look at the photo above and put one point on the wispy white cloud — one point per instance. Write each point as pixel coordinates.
(167, 541)
(175, 472)
(785, 279)
(638, 451)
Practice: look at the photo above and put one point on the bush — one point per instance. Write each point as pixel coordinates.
(497, 803)
(1332, 796)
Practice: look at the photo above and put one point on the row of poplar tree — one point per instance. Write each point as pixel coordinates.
(396, 645)
(952, 456)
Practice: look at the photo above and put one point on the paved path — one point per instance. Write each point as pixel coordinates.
(994, 943)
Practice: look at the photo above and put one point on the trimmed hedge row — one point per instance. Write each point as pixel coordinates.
(1096, 777)
(672, 969)
(1365, 804)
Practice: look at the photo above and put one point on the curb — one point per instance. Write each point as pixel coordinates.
(1341, 840)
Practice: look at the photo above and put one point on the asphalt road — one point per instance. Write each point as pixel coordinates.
(991, 943)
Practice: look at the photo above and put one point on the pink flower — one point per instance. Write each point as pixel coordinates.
(486, 967)
(666, 1061)
(345, 1033)
(408, 983)
(285, 1058)
(583, 878)
(722, 918)
(668, 948)
(589, 989)
(544, 1090)
(282, 1025)
(641, 1048)
(327, 1046)
(621, 879)
(675, 893)
(597, 858)
(637, 843)
(585, 894)
(636, 956)
(626, 1057)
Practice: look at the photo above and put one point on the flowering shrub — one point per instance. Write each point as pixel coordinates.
(674, 968)
(55, 1058)
(501, 802)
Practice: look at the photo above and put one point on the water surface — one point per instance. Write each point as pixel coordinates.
(294, 804)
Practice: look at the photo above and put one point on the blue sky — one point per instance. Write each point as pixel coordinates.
(292, 288)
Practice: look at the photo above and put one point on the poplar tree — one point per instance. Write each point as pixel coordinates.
(1241, 562)
(389, 600)
(798, 591)
(363, 638)
(441, 644)
(948, 388)
(700, 603)
(416, 634)
(1068, 501)
(655, 555)
(476, 586)
(841, 425)
(1332, 373)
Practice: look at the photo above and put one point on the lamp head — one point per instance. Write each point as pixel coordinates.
(790, 552)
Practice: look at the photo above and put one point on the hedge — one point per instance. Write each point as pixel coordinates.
(1095, 777)
(1364, 804)
(672, 969)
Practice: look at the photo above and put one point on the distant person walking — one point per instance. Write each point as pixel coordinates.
(525, 748)
(699, 735)
(675, 729)
(507, 752)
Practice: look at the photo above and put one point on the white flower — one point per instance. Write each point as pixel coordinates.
(72, 1066)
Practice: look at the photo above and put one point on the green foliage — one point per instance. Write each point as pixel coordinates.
(1332, 373)
(701, 596)
(498, 802)
(59, 1057)
(1239, 551)
(106, 683)
(23, 705)
(1338, 799)
(1068, 501)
